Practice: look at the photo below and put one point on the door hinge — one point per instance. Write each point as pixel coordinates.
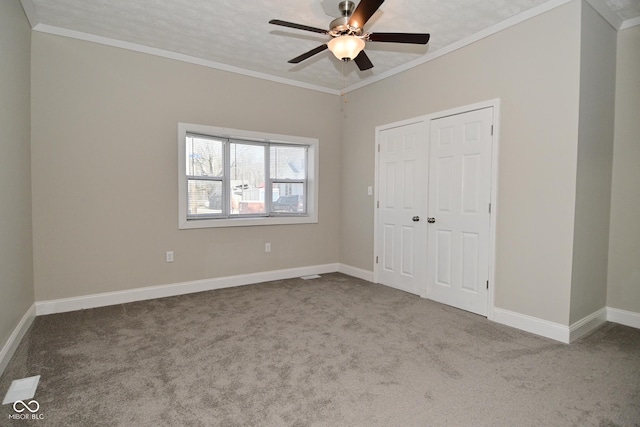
(489, 207)
(378, 204)
(379, 147)
(487, 284)
(376, 259)
(491, 129)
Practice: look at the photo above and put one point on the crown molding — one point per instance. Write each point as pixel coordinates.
(605, 11)
(30, 11)
(48, 29)
(599, 5)
(514, 20)
(630, 23)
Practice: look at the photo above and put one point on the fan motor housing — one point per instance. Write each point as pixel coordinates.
(340, 27)
(346, 7)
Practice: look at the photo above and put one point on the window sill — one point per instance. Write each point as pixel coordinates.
(247, 222)
(312, 181)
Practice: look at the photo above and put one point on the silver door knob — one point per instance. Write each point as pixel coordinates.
(431, 220)
(416, 218)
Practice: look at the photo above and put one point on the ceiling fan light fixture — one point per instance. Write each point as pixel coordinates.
(347, 33)
(346, 47)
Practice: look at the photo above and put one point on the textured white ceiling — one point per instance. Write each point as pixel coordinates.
(237, 33)
(625, 9)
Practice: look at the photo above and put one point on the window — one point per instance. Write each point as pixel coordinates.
(233, 178)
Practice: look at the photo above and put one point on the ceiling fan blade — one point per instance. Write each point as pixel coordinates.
(364, 11)
(414, 38)
(309, 54)
(298, 26)
(362, 61)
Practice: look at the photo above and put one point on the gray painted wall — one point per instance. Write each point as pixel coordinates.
(105, 167)
(103, 118)
(595, 156)
(16, 262)
(534, 69)
(623, 290)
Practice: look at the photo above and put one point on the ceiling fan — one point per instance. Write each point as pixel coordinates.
(348, 37)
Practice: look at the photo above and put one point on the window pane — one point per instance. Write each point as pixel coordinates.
(204, 156)
(247, 178)
(288, 197)
(204, 197)
(288, 162)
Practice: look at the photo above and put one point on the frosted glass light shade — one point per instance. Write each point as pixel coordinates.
(346, 47)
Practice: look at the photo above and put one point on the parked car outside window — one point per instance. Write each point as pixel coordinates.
(293, 203)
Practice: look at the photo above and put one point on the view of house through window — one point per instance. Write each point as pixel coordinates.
(288, 178)
(229, 178)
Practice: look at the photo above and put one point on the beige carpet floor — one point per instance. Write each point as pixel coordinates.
(334, 351)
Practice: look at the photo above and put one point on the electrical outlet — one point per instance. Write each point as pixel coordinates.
(267, 247)
(169, 256)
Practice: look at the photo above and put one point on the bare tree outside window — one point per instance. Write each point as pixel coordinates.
(205, 170)
(228, 178)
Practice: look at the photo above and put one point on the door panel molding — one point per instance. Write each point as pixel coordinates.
(456, 195)
(399, 235)
(494, 202)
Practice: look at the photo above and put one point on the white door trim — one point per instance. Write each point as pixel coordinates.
(495, 103)
(377, 239)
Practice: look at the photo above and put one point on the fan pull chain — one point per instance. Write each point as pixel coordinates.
(344, 83)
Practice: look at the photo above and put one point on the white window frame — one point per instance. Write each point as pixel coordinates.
(313, 145)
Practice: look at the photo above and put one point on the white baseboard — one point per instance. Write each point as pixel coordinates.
(552, 330)
(562, 333)
(587, 324)
(356, 272)
(623, 317)
(541, 327)
(16, 336)
(140, 294)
